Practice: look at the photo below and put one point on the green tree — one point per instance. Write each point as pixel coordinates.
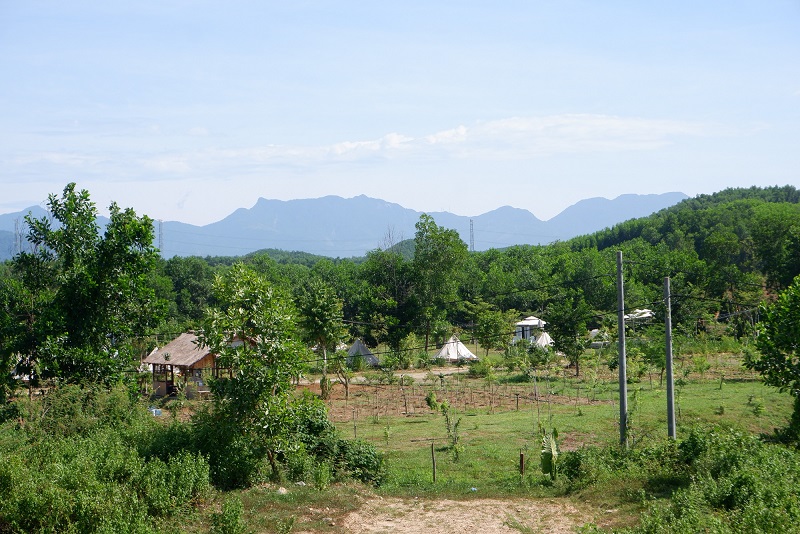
(252, 331)
(566, 322)
(385, 301)
(75, 303)
(321, 322)
(439, 257)
(776, 237)
(192, 279)
(492, 328)
(778, 343)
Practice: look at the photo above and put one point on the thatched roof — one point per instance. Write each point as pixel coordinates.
(182, 351)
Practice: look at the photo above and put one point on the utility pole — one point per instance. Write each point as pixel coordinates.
(670, 382)
(623, 373)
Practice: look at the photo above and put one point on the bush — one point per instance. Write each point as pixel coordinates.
(718, 480)
(94, 483)
(234, 460)
(360, 460)
(229, 519)
(485, 367)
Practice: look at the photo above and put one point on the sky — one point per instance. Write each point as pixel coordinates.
(186, 111)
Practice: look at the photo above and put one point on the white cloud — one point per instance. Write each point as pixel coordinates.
(168, 164)
(64, 159)
(508, 139)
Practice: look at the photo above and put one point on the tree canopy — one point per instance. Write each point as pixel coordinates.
(778, 342)
(73, 306)
(252, 332)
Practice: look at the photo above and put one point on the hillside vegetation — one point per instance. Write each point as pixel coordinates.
(83, 449)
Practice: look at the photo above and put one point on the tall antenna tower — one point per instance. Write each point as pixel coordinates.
(17, 237)
(471, 237)
(161, 236)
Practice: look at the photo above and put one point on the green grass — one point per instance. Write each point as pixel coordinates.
(493, 432)
(501, 419)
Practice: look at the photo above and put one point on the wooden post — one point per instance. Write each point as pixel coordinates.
(517, 395)
(433, 462)
(521, 464)
(354, 424)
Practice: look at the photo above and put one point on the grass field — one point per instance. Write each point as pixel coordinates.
(501, 419)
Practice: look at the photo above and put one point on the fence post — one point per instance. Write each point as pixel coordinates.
(433, 462)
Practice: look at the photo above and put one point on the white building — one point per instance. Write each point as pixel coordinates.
(532, 329)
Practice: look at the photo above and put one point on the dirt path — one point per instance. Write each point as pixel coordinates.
(489, 516)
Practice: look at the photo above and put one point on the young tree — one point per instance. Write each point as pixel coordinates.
(778, 343)
(252, 332)
(386, 303)
(567, 324)
(492, 328)
(321, 322)
(439, 257)
(80, 297)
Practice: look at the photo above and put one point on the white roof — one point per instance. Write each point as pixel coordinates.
(532, 321)
(455, 350)
(639, 314)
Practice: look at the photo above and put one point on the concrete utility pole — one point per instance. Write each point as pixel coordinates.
(623, 372)
(670, 382)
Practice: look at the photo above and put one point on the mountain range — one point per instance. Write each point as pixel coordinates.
(349, 227)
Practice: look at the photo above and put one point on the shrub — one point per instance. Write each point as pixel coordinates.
(360, 460)
(229, 519)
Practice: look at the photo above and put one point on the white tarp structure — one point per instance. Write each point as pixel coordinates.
(531, 329)
(544, 340)
(528, 328)
(454, 350)
(639, 315)
(359, 350)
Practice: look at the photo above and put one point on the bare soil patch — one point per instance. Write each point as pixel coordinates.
(489, 516)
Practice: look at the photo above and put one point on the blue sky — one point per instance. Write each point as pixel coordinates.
(189, 110)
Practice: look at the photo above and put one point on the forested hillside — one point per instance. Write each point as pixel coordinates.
(725, 253)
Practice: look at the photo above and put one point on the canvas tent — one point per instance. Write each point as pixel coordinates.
(544, 340)
(598, 339)
(454, 350)
(359, 350)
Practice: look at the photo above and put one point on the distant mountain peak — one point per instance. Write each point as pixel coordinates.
(346, 227)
